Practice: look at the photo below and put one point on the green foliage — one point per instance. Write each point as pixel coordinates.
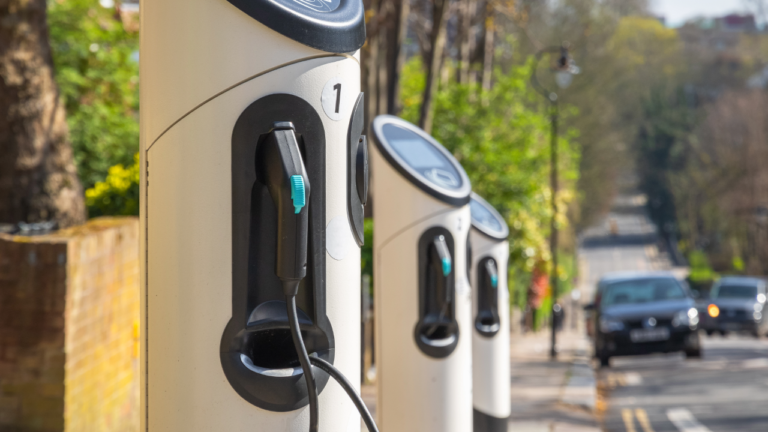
(738, 264)
(97, 71)
(366, 259)
(701, 271)
(118, 194)
(501, 138)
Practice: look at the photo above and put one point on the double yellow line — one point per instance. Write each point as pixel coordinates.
(642, 417)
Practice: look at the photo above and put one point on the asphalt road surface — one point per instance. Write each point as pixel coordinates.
(725, 391)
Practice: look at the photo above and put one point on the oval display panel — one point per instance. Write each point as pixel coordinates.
(315, 5)
(483, 217)
(421, 156)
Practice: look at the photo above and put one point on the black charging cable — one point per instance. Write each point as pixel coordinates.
(306, 362)
(347, 386)
(306, 367)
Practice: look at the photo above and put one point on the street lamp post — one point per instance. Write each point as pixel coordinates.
(564, 68)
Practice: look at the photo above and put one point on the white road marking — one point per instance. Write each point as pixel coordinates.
(633, 379)
(757, 363)
(628, 379)
(685, 421)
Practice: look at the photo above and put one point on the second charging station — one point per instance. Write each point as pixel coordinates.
(422, 294)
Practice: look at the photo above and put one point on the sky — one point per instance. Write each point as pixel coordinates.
(677, 12)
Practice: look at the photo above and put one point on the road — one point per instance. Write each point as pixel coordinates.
(725, 391)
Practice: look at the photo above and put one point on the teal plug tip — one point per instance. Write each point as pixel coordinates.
(495, 281)
(446, 266)
(298, 194)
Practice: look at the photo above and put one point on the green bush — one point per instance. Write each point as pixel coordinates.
(366, 259)
(97, 70)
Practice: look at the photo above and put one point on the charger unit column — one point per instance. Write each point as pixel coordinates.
(220, 80)
(422, 296)
(490, 333)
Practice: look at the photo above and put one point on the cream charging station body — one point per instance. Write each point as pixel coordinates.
(422, 295)
(224, 83)
(490, 335)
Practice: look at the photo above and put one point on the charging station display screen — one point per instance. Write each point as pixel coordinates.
(422, 157)
(483, 217)
(315, 5)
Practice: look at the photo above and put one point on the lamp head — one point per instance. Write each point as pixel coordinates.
(565, 68)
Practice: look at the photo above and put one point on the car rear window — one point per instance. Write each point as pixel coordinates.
(642, 291)
(734, 292)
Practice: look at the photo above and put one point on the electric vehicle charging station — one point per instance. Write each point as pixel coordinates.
(253, 184)
(490, 336)
(422, 295)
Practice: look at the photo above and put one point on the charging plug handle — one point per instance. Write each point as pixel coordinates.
(443, 265)
(491, 281)
(492, 274)
(288, 184)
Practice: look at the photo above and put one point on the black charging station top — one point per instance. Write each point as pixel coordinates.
(487, 220)
(421, 159)
(336, 26)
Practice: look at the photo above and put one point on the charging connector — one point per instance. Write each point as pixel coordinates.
(288, 185)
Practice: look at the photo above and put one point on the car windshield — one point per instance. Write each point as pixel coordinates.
(735, 292)
(642, 291)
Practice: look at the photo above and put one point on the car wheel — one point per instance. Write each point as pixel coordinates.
(605, 362)
(693, 354)
(710, 332)
(723, 333)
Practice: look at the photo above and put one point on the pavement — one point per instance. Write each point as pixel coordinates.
(547, 396)
(552, 396)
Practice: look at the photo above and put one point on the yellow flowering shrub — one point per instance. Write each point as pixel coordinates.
(118, 194)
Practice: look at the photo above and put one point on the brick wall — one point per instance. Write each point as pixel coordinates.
(69, 313)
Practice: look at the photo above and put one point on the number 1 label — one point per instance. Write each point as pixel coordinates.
(335, 102)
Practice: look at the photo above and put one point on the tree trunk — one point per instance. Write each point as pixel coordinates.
(489, 46)
(467, 9)
(38, 178)
(437, 38)
(369, 56)
(382, 70)
(396, 54)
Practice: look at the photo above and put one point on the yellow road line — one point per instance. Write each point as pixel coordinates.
(642, 417)
(629, 421)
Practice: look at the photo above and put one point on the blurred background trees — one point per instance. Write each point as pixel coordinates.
(96, 53)
(97, 68)
(675, 113)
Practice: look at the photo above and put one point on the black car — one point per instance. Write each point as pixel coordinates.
(736, 305)
(644, 313)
